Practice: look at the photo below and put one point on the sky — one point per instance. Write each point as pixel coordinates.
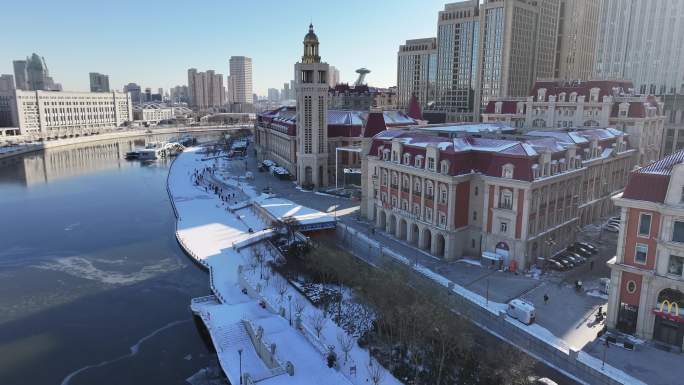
(153, 43)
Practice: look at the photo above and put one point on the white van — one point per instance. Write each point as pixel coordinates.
(521, 310)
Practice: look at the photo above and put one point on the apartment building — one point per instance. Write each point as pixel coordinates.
(647, 274)
(569, 104)
(241, 79)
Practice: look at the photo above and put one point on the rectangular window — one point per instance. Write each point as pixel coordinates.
(504, 227)
(641, 253)
(678, 232)
(676, 265)
(644, 225)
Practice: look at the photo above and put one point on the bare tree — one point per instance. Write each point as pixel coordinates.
(299, 306)
(259, 256)
(376, 372)
(318, 322)
(346, 344)
(281, 288)
(291, 224)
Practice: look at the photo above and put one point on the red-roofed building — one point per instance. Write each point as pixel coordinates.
(596, 103)
(474, 193)
(647, 274)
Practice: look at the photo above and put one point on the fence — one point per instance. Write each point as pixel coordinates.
(577, 365)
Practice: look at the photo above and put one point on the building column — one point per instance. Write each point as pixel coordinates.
(613, 306)
(409, 232)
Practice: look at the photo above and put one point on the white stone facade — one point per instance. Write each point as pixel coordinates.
(56, 113)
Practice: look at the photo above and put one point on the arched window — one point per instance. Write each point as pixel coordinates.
(429, 189)
(417, 186)
(384, 178)
(407, 159)
(443, 194)
(419, 161)
(405, 183)
(395, 179)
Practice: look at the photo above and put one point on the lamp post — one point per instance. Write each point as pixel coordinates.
(240, 354)
(289, 303)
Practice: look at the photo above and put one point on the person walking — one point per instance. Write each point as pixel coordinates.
(546, 299)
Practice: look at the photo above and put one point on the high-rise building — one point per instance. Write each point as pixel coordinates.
(135, 91)
(20, 74)
(494, 49)
(99, 82)
(273, 95)
(6, 82)
(417, 72)
(241, 79)
(517, 45)
(32, 75)
(640, 41)
(285, 92)
(577, 28)
(312, 115)
(179, 94)
(205, 89)
(333, 77)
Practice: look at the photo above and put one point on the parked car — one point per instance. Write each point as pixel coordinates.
(593, 249)
(555, 265)
(567, 262)
(611, 228)
(579, 250)
(580, 259)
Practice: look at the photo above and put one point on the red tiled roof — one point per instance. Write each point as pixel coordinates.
(650, 182)
(507, 107)
(375, 123)
(636, 110)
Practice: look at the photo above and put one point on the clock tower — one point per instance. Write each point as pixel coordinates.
(311, 85)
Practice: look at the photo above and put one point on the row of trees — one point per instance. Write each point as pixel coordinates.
(415, 333)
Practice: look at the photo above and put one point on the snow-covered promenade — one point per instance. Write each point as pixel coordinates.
(250, 319)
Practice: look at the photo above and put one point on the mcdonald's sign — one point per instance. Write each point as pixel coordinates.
(665, 310)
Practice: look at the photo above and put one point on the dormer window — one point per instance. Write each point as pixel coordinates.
(561, 97)
(395, 156)
(431, 164)
(594, 95)
(419, 161)
(624, 109)
(497, 107)
(507, 171)
(535, 171)
(541, 94)
(385, 154)
(573, 97)
(521, 108)
(407, 159)
(444, 167)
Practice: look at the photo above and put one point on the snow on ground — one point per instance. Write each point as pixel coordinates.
(208, 231)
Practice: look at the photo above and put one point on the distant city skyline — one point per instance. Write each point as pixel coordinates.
(269, 32)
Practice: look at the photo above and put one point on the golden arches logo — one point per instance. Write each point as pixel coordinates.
(670, 306)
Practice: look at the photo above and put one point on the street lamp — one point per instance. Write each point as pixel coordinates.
(289, 303)
(240, 354)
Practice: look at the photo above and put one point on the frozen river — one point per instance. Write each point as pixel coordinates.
(94, 288)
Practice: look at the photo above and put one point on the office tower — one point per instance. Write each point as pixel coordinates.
(640, 41)
(135, 91)
(99, 82)
(293, 90)
(32, 74)
(273, 95)
(285, 93)
(517, 45)
(6, 82)
(241, 79)
(148, 94)
(20, 74)
(577, 28)
(312, 115)
(417, 72)
(333, 77)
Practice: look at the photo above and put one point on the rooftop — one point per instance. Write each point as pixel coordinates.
(650, 182)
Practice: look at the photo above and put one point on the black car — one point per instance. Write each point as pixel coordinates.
(593, 249)
(567, 262)
(579, 250)
(555, 265)
(578, 258)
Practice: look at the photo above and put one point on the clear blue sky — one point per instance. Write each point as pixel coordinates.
(153, 43)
